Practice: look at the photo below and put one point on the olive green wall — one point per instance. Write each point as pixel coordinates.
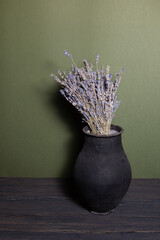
(40, 131)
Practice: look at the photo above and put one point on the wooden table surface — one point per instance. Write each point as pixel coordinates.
(36, 208)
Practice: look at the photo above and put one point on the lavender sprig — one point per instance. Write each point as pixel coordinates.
(92, 93)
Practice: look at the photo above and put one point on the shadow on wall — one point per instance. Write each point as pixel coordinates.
(72, 118)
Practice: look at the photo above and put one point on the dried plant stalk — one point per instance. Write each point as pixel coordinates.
(92, 93)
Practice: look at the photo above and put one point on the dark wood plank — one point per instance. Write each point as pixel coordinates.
(45, 209)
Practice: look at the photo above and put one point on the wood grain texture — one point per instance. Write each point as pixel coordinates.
(46, 209)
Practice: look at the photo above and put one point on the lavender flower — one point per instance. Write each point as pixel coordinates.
(92, 93)
(67, 53)
(97, 58)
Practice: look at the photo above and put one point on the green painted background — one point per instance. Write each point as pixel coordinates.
(40, 131)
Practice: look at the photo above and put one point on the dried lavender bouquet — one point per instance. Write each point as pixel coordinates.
(92, 93)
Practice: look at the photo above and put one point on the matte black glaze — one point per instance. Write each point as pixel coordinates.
(102, 171)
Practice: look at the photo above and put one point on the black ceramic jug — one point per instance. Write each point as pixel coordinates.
(102, 172)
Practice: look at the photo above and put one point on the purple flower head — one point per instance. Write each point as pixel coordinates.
(97, 58)
(68, 54)
(92, 92)
(122, 71)
(80, 104)
(62, 92)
